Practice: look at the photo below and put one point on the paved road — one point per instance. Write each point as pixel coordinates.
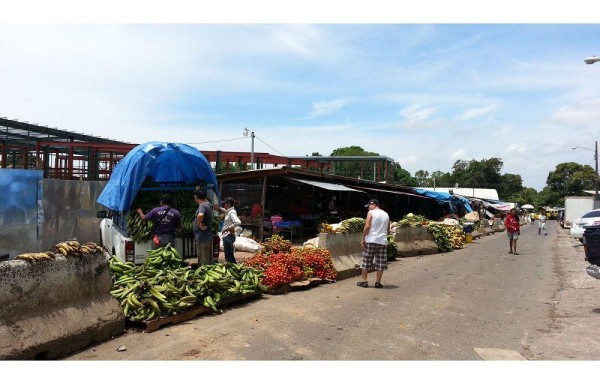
(471, 304)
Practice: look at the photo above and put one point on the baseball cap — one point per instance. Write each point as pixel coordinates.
(372, 201)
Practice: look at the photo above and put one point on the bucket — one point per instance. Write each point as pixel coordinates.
(469, 238)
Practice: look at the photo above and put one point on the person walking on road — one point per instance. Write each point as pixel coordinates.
(513, 229)
(542, 224)
(166, 221)
(374, 242)
(230, 222)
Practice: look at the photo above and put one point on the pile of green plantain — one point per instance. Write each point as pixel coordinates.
(353, 225)
(162, 286)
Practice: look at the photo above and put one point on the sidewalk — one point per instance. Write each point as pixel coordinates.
(575, 312)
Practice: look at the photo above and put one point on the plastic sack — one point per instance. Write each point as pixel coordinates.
(245, 244)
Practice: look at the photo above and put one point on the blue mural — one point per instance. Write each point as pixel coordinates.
(21, 193)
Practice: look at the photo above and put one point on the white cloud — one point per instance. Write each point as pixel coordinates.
(459, 154)
(326, 107)
(475, 112)
(415, 113)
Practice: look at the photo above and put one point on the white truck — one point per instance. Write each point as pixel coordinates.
(154, 166)
(575, 207)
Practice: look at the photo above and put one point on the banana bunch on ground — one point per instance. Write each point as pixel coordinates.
(164, 287)
(218, 281)
(457, 236)
(392, 248)
(353, 225)
(164, 257)
(139, 230)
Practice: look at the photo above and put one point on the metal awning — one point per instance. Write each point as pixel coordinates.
(394, 192)
(328, 186)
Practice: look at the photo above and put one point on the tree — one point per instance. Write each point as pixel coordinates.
(570, 179)
(422, 177)
(510, 187)
(362, 169)
(403, 177)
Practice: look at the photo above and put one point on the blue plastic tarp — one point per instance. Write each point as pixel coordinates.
(164, 163)
(453, 201)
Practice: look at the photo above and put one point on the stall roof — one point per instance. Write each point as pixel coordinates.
(395, 192)
(164, 163)
(328, 186)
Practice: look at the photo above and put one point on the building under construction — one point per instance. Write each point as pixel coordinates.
(69, 155)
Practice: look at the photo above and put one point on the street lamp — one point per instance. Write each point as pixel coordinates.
(596, 175)
(246, 131)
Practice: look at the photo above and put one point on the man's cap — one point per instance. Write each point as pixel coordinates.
(372, 201)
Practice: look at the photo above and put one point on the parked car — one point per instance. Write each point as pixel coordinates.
(578, 226)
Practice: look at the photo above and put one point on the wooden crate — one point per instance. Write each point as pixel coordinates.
(298, 285)
(155, 324)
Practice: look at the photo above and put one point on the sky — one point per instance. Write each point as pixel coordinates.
(425, 91)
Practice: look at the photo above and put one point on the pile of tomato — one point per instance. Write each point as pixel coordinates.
(287, 264)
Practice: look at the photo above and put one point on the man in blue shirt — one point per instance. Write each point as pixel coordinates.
(166, 221)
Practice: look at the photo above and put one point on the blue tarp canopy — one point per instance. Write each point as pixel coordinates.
(164, 162)
(453, 201)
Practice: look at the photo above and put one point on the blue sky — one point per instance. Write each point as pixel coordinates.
(423, 93)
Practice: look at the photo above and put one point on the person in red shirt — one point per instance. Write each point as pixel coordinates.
(513, 229)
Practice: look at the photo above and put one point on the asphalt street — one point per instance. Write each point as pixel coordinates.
(476, 303)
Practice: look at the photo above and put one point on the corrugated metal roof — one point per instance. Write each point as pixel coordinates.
(328, 186)
(481, 193)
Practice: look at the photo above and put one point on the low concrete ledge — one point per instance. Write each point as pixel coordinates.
(346, 252)
(415, 241)
(346, 248)
(49, 309)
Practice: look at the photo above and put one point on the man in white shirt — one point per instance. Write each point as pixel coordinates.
(542, 224)
(374, 242)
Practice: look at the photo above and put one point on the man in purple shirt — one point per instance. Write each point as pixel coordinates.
(166, 221)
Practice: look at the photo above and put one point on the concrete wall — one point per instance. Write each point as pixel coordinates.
(51, 308)
(346, 248)
(42, 212)
(415, 241)
(346, 252)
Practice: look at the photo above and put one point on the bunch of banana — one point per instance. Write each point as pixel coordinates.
(164, 257)
(39, 256)
(161, 286)
(187, 223)
(353, 225)
(441, 236)
(139, 230)
(218, 281)
(74, 249)
(326, 228)
(457, 236)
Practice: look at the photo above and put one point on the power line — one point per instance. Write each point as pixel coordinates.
(216, 141)
(238, 138)
(256, 137)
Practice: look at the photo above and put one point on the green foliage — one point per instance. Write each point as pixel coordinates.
(403, 177)
(570, 179)
(362, 169)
